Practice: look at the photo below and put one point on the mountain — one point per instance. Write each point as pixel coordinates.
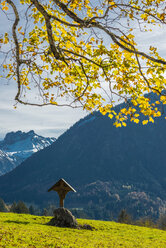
(18, 146)
(6, 163)
(108, 166)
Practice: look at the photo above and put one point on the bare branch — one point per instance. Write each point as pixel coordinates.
(18, 61)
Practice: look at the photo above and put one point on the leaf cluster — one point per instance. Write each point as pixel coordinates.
(84, 54)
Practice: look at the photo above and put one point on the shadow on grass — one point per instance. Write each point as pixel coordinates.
(17, 222)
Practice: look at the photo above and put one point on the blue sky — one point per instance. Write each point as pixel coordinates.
(46, 121)
(52, 120)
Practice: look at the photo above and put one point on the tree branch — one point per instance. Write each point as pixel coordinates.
(18, 61)
(48, 26)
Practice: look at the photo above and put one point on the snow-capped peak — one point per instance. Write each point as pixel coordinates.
(20, 145)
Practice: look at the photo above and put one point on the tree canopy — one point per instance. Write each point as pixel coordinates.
(85, 54)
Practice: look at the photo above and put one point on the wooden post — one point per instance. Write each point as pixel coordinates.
(61, 202)
(62, 195)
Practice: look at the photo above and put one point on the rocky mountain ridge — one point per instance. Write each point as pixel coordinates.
(18, 146)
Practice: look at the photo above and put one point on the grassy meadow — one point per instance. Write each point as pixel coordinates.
(23, 230)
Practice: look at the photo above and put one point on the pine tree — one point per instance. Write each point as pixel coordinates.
(32, 210)
(22, 208)
(19, 208)
(124, 217)
(2, 206)
(13, 207)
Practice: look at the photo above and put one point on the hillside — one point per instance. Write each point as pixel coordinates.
(18, 146)
(18, 230)
(109, 167)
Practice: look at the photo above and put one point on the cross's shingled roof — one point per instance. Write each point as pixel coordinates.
(62, 185)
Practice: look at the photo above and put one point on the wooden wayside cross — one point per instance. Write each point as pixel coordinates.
(62, 188)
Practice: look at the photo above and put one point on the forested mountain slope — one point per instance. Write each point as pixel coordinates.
(100, 161)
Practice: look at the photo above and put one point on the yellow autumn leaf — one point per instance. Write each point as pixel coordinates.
(144, 122)
(124, 124)
(110, 116)
(151, 119)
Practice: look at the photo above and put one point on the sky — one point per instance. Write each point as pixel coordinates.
(48, 121)
(52, 121)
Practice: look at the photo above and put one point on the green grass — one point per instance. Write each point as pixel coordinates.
(19, 230)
